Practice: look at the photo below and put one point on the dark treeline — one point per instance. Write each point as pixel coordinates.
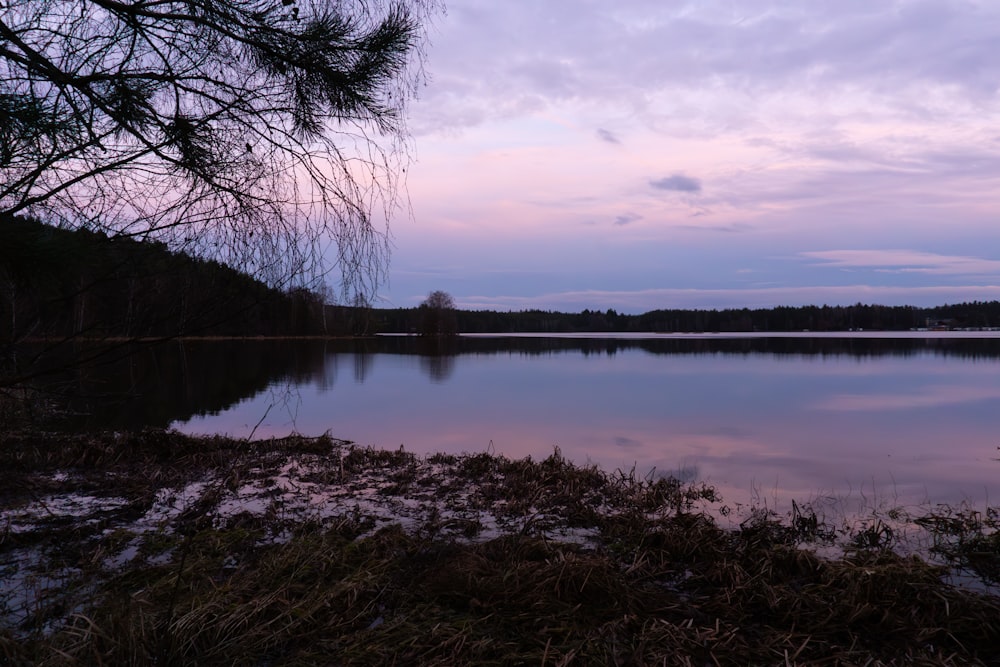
(56, 283)
(805, 318)
(60, 284)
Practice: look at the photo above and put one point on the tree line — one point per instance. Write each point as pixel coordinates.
(976, 314)
(59, 283)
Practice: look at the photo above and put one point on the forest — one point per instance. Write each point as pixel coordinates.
(57, 283)
(976, 315)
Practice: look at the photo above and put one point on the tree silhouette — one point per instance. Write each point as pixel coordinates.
(250, 131)
(438, 315)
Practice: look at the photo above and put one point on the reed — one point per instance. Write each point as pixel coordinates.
(304, 551)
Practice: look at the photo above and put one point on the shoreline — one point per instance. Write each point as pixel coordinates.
(451, 559)
(902, 334)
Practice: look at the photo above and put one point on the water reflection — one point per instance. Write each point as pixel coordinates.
(776, 418)
(772, 419)
(136, 386)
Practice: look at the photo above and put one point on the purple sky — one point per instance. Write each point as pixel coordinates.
(644, 154)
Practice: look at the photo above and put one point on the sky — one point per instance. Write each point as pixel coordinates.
(644, 154)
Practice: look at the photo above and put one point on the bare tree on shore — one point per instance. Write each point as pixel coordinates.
(438, 315)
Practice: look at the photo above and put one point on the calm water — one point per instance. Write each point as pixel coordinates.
(912, 419)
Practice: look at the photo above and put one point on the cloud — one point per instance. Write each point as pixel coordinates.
(929, 397)
(678, 183)
(788, 127)
(906, 261)
(489, 53)
(627, 443)
(627, 218)
(608, 136)
(731, 228)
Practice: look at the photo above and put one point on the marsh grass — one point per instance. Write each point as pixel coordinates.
(304, 551)
(967, 538)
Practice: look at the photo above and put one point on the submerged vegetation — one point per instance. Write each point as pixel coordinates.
(159, 548)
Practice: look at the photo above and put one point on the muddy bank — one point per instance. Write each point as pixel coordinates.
(158, 548)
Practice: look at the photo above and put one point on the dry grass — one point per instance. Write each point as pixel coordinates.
(507, 562)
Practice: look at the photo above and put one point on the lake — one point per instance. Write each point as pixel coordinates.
(908, 419)
(900, 418)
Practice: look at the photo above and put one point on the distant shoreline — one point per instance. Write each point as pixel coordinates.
(912, 334)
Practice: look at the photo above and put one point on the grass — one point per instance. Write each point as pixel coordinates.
(303, 551)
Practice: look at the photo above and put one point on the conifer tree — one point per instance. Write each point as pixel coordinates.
(251, 131)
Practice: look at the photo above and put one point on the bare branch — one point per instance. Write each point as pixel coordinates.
(252, 131)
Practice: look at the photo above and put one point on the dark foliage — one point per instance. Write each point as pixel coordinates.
(437, 315)
(61, 284)
(249, 131)
(864, 317)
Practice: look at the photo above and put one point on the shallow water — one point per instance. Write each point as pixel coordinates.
(865, 420)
